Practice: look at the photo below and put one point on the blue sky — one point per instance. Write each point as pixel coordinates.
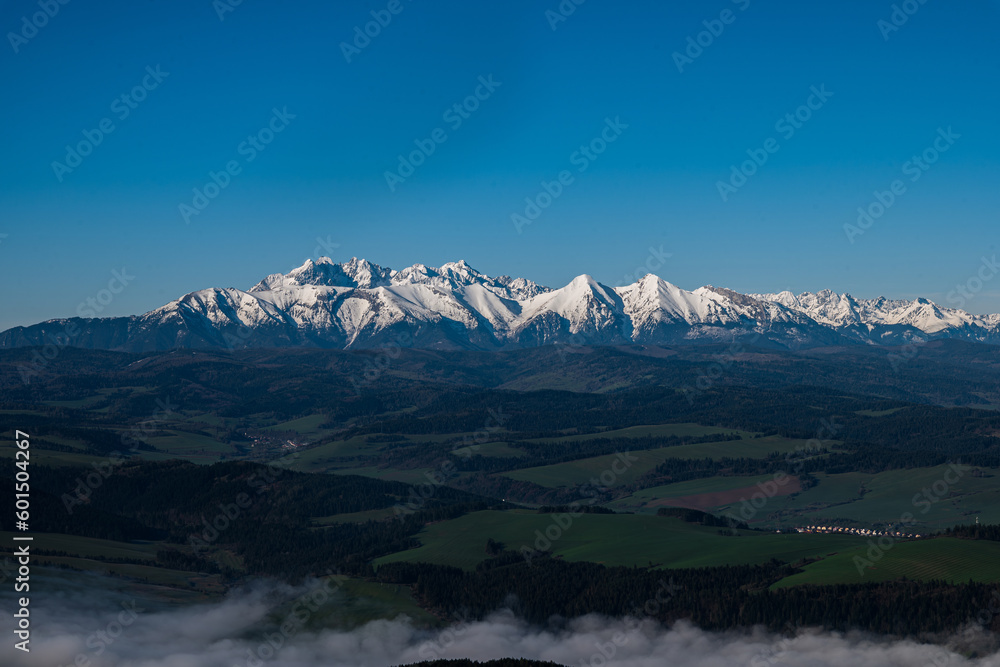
(323, 176)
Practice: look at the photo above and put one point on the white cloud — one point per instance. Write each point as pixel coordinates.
(234, 632)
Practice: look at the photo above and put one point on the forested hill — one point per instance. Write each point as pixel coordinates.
(946, 372)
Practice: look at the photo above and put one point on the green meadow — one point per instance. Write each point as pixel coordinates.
(622, 539)
(944, 559)
(573, 473)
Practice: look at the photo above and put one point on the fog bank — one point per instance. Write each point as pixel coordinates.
(270, 624)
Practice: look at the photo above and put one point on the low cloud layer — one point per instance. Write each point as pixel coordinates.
(268, 624)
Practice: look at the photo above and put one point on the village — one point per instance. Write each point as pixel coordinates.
(264, 444)
(864, 532)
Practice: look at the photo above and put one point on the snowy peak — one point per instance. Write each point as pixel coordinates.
(843, 310)
(586, 283)
(583, 293)
(323, 272)
(520, 288)
(361, 272)
(450, 275)
(460, 276)
(584, 308)
(653, 300)
(362, 301)
(461, 271)
(826, 307)
(359, 304)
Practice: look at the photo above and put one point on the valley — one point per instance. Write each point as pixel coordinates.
(488, 468)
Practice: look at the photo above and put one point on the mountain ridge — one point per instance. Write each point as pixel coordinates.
(359, 304)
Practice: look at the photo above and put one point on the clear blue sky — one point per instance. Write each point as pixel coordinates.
(323, 176)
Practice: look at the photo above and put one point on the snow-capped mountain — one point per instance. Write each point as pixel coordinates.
(358, 304)
(867, 318)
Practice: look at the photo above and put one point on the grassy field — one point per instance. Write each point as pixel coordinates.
(304, 426)
(176, 435)
(64, 441)
(948, 559)
(858, 499)
(877, 499)
(186, 444)
(623, 539)
(95, 550)
(642, 500)
(153, 597)
(206, 583)
(656, 430)
(337, 454)
(330, 455)
(48, 457)
(89, 547)
(90, 554)
(577, 472)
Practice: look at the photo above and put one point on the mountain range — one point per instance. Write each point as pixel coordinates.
(358, 304)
